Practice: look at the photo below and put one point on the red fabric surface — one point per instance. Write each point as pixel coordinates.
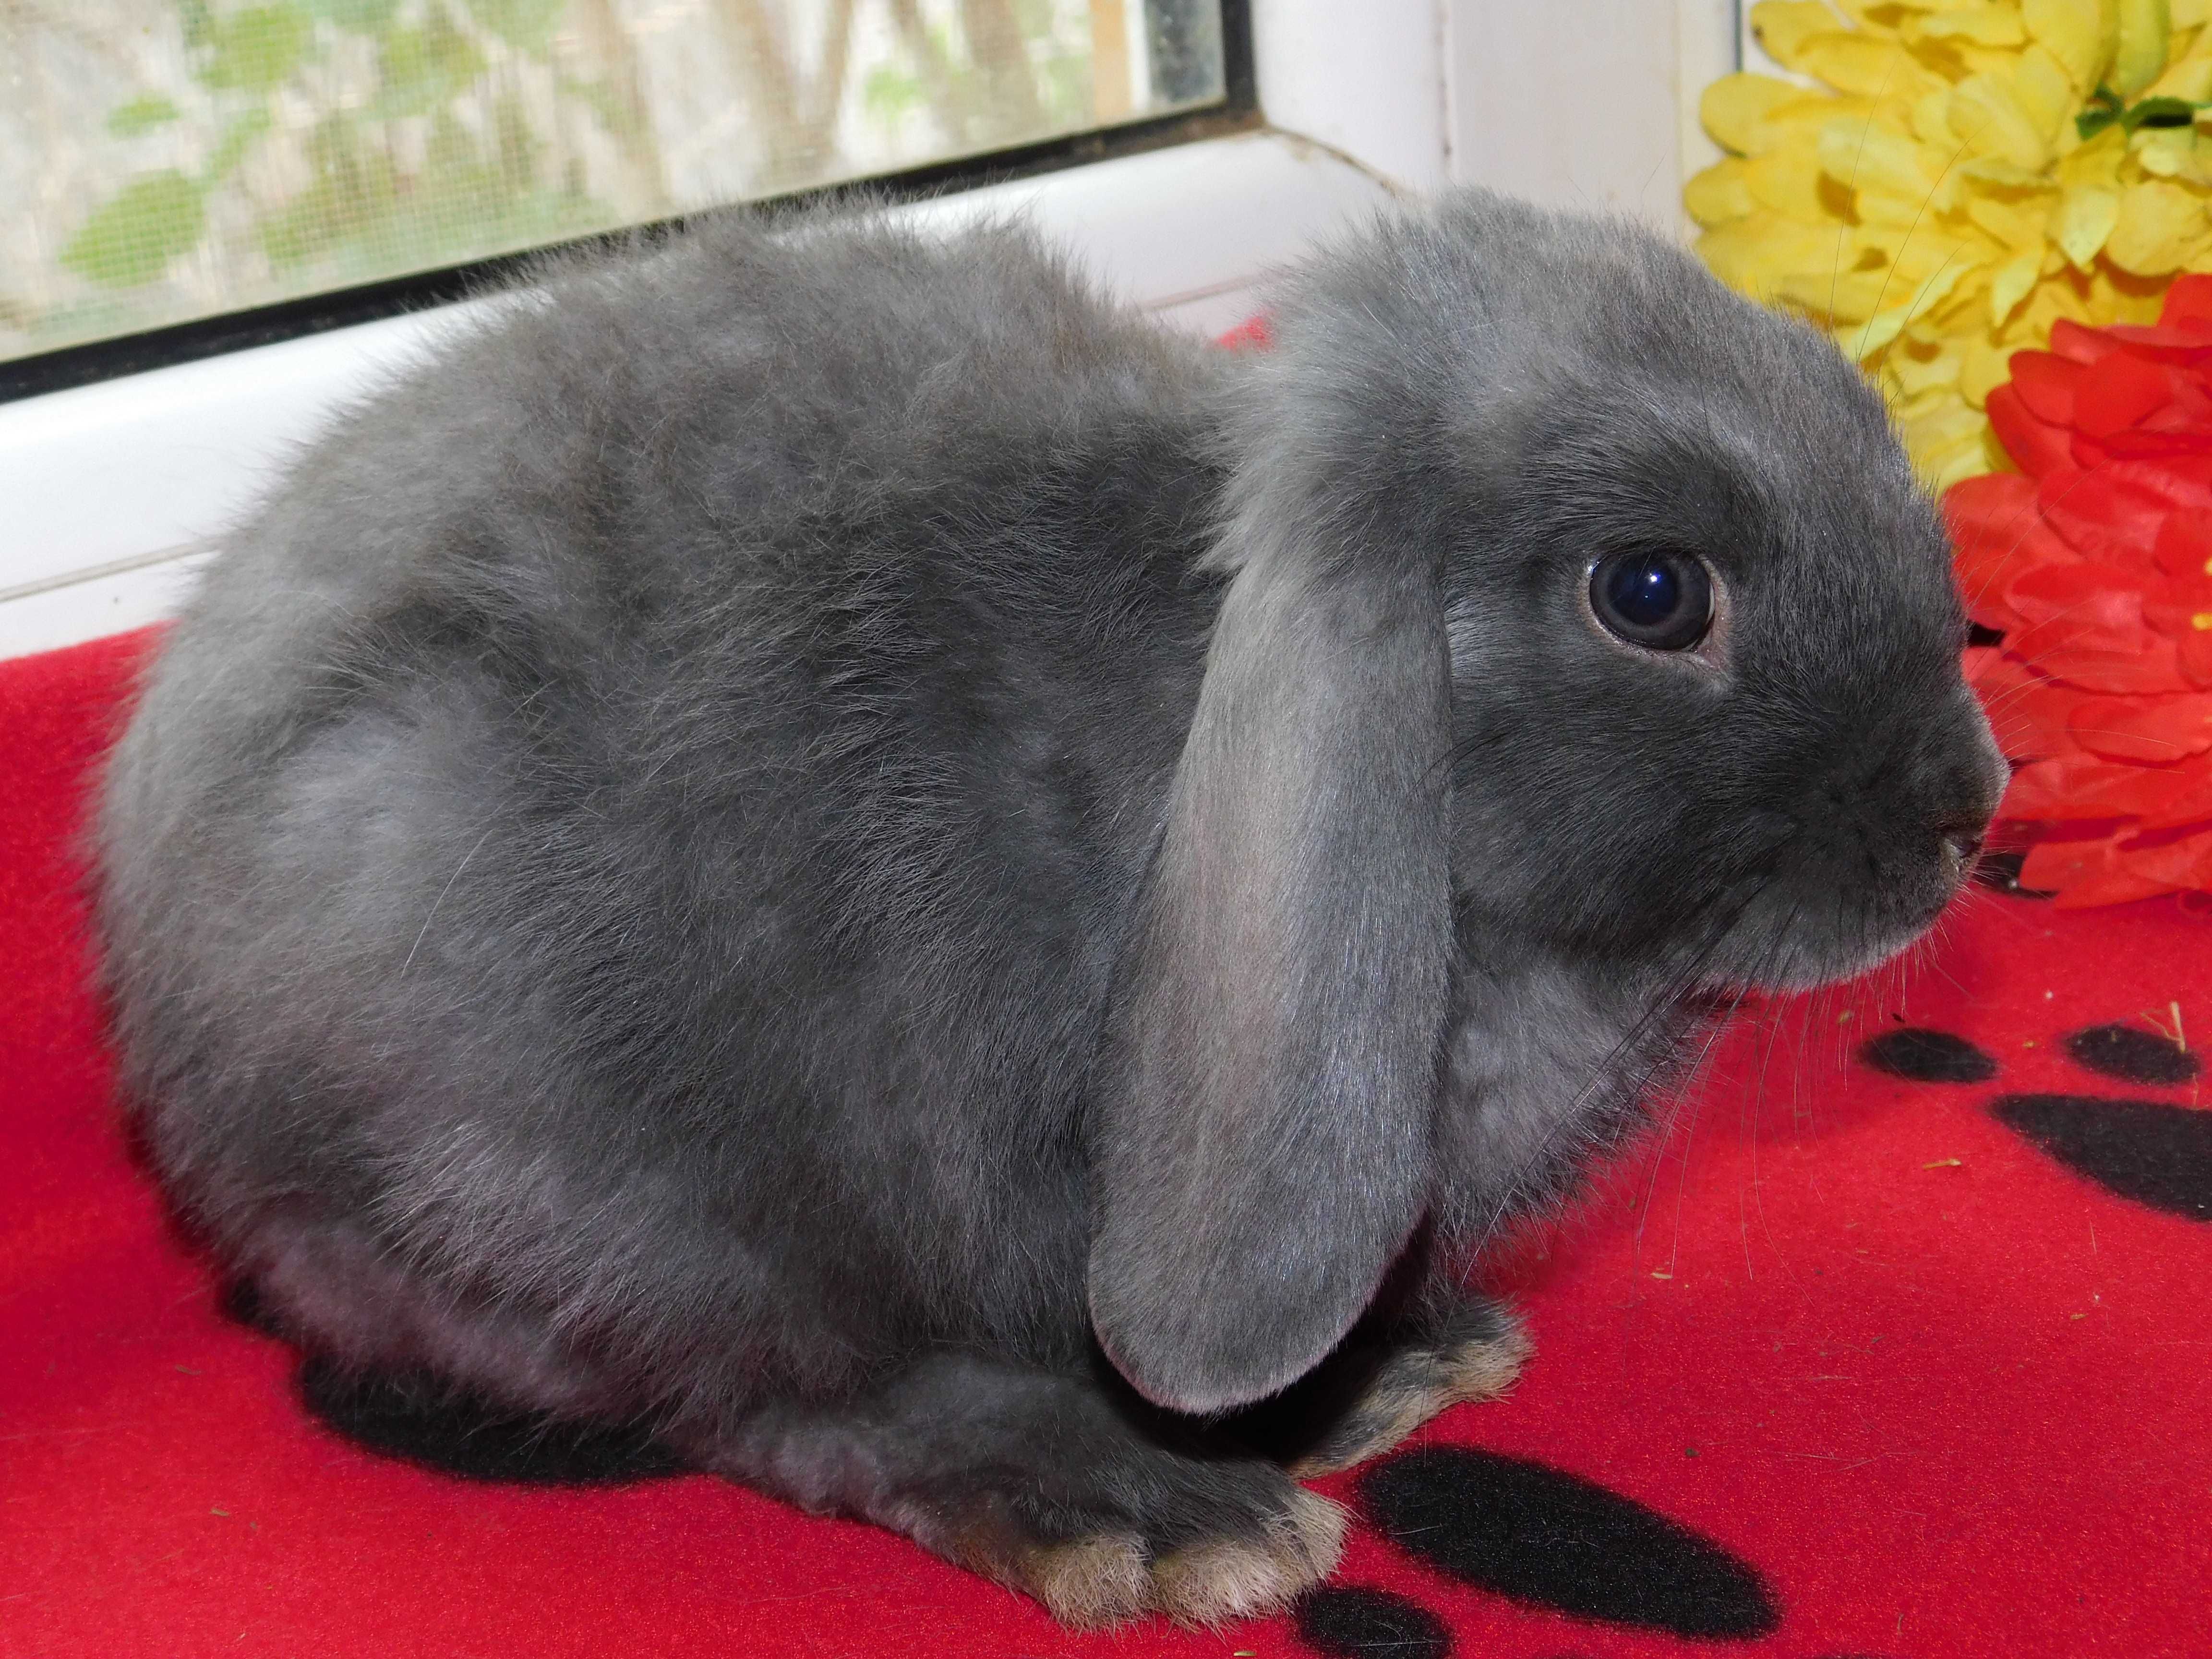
(1946, 1396)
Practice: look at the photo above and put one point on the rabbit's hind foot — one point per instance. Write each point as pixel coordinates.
(1058, 1486)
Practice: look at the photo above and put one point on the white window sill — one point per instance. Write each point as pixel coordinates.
(115, 492)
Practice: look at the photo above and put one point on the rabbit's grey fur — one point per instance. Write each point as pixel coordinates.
(821, 832)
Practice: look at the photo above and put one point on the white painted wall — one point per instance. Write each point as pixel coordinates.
(1602, 127)
(1365, 77)
(1575, 103)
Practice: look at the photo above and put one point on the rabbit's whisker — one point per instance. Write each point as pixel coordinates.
(1897, 258)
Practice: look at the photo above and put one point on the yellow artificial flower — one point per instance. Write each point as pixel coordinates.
(1928, 192)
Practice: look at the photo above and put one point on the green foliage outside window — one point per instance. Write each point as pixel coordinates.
(185, 157)
(358, 214)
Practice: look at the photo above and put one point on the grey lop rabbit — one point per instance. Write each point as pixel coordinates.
(824, 840)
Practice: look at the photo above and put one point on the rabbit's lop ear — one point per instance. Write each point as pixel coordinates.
(1262, 1144)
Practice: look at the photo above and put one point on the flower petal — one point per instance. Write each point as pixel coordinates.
(2046, 707)
(2184, 547)
(2180, 482)
(2086, 592)
(2189, 801)
(1782, 27)
(1998, 535)
(2118, 391)
(2192, 654)
(2174, 860)
(2152, 731)
(2162, 227)
(2082, 789)
(1718, 194)
(1735, 109)
(2144, 443)
(2188, 304)
(2071, 340)
(2102, 513)
(2083, 873)
(2135, 661)
(2083, 221)
(2172, 345)
(2045, 384)
(2038, 446)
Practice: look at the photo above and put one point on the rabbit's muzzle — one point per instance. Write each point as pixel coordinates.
(1974, 785)
(1887, 837)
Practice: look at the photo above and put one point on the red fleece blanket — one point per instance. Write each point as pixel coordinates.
(1899, 1344)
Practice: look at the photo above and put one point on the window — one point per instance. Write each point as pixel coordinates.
(183, 159)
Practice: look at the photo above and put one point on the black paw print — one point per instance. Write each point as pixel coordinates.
(422, 1420)
(1539, 1536)
(1352, 1621)
(419, 1420)
(2150, 1151)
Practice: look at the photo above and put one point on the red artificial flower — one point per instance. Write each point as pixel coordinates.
(1253, 333)
(2094, 564)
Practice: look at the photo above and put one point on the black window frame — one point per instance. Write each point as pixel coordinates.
(93, 360)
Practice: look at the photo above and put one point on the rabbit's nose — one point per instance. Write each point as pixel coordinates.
(1960, 844)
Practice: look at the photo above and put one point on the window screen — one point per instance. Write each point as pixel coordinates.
(171, 160)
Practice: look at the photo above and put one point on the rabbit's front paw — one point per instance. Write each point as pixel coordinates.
(1477, 1358)
(1235, 1574)
(1259, 1543)
(1064, 1488)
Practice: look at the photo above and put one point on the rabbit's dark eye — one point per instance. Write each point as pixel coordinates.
(1660, 600)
